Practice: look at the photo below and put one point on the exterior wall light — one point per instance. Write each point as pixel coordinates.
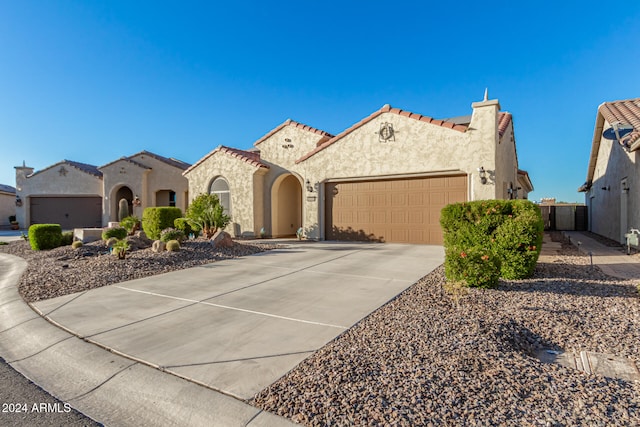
(483, 174)
(309, 186)
(18, 201)
(136, 201)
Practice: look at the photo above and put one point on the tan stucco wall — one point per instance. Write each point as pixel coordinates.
(303, 141)
(507, 166)
(604, 205)
(50, 182)
(245, 188)
(7, 208)
(163, 177)
(419, 149)
(123, 173)
(143, 182)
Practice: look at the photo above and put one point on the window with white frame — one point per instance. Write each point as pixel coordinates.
(220, 188)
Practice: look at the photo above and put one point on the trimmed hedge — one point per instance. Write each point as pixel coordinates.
(156, 219)
(483, 234)
(117, 232)
(45, 236)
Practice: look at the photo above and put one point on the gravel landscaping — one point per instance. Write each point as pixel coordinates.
(429, 358)
(65, 270)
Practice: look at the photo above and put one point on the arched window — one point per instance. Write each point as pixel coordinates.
(220, 188)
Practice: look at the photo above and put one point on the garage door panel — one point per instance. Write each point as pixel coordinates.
(400, 210)
(69, 212)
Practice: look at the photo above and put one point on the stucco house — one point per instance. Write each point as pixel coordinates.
(385, 178)
(612, 188)
(75, 194)
(7, 204)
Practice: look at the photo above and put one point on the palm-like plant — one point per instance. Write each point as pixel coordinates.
(207, 214)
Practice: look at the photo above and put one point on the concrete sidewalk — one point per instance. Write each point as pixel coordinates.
(224, 330)
(613, 261)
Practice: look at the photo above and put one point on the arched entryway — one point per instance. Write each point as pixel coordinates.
(286, 206)
(123, 192)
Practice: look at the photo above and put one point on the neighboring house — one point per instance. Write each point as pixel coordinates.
(612, 189)
(75, 194)
(7, 204)
(385, 178)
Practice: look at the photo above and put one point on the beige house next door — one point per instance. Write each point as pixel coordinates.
(394, 210)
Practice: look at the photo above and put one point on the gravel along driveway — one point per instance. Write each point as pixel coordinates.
(426, 358)
(65, 270)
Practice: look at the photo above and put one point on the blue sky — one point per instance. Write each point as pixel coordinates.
(92, 81)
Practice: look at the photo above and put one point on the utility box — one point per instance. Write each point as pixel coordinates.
(633, 239)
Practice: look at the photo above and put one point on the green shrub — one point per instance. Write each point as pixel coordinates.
(171, 234)
(476, 266)
(45, 236)
(67, 238)
(131, 224)
(77, 244)
(182, 224)
(111, 241)
(120, 249)
(173, 246)
(509, 230)
(117, 232)
(206, 214)
(156, 219)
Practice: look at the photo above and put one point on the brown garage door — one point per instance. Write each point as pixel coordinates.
(69, 212)
(398, 210)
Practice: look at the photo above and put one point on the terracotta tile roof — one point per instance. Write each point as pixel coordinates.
(290, 122)
(626, 111)
(246, 156)
(385, 109)
(84, 167)
(504, 118)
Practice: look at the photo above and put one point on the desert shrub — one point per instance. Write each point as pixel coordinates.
(120, 249)
(206, 214)
(111, 241)
(518, 241)
(509, 231)
(173, 246)
(476, 266)
(131, 224)
(67, 238)
(45, 236)
(182, 224)
(77, 244)
(156, 219)
(171, 234)
(117, 232)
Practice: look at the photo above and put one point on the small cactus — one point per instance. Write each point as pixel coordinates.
(123, 209)
(173, 246)
(77, 244)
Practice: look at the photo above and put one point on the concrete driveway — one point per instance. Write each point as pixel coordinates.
(238, 325)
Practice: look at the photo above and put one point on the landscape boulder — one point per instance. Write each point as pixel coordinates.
(221, 239)
(158, 246)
